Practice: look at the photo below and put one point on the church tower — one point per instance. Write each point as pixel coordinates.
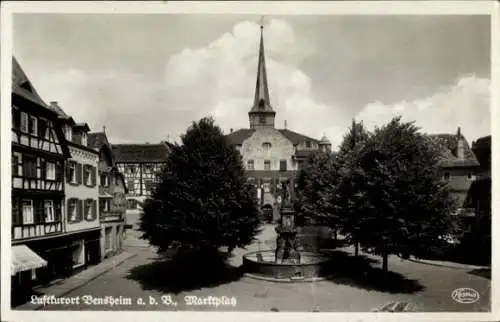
(261, 114)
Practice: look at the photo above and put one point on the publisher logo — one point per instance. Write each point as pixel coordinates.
(465, 295)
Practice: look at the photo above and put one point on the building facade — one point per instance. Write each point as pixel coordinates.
(39, 152)
(82, 192)
(140, 164)
(271, 155)
(459, 169)
(112, 197)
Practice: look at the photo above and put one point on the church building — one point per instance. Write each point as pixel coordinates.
(271, 155)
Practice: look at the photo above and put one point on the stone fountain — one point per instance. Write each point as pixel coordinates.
(286, 263)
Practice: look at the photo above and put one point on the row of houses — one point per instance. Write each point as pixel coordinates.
(68, 195)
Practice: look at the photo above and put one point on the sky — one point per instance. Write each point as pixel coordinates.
(147, 77)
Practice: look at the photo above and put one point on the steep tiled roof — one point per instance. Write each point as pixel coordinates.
(238, 136)
(297, 138)
(97, 139)
(449, 144)
(140, 152)
(22, 86)
(54, 106)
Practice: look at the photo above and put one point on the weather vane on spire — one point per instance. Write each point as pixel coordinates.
(261, 22)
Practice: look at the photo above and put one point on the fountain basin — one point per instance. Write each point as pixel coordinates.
(312, 267)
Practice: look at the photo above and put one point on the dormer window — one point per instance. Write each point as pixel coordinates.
(84, 139)
(262, 103)
(266, 145)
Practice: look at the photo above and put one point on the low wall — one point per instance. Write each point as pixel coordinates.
(286, 271)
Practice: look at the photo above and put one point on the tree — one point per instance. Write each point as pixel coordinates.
(315, 189)
(203, 200)
(348, 198)
(404, 205)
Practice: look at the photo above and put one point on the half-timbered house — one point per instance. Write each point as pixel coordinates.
(38, 155)
(82, 192)
(112, 197)
(140, 164)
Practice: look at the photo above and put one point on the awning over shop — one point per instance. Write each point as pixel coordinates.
(23, 259)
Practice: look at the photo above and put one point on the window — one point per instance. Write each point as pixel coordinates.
(308, 144)
(262, 120)
(471, 177)
(89, 209)
(446, 176)
(15, 165)
(250, 165)
(282, 165)
(24, 122)
(87, 175)
(148, 184)
(104, 180)
(49, 210)
(130, 185)
(107, 205)
(27, 212)
(108, 239)
(73, 210)
(47, 130)
(29, 167)
(266, 145)
(79, 254)
(72, 172)
(33, 125)
(50, 171)
(131, 169)
(267, 165)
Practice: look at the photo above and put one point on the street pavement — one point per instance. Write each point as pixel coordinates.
(129, 283)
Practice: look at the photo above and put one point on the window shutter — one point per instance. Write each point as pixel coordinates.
(16, 118)
(68, 210)
(15, 211)
(39, 210)
(59, 171)
(68, 172)
(94, 209)
(78, 173)
(43, 168)
(57, 214)
(93, 175)
(79, 210)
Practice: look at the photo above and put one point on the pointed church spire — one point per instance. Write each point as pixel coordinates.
(261, 88)
(262, 113)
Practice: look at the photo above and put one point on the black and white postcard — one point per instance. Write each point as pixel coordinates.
(265, 160)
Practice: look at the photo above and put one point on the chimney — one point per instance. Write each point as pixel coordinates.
(231, 130)
(460, 145)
